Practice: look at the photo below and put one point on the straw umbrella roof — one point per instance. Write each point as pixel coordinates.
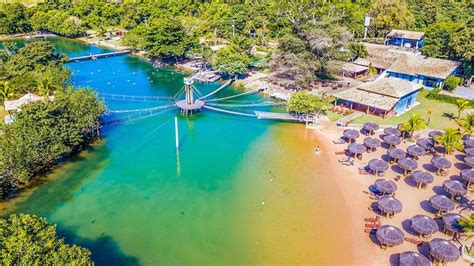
(407, 164)
(422, 177)
(392, 131)
(469, 151)
(396, 153)
(469, 143)
(415, 150)
(454, 187)
(410, 258)
(451, 222)
(385, 186)
(389, 205)
(351, 133)
(434, 133)
(390, 235)
(441, 203)
(469, 160)
(425, 143)
(356, 148)
(391, 139)
(440, 162)
(372, 142)
(443, 250)
(467, 175)
(424, 225)
(378, 165)
(371, 126)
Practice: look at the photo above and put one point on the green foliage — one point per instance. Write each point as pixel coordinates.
(388, 15)
(58, 22)
(467, 223)
(466, 124)
(6, 91)
(46, 131)
(30, 240)
(452, 82)
(462, 105)
(303, 102)
(435, 95)
(450, 140)
(358, 49)
(32, 64)
(416, 122)
(13, 19)
(231, 60)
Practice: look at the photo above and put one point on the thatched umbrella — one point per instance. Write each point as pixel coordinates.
(451, 223)
(410, 258)
(469, 151)
(469, 143)
(424, 225)
(351, 134)
(416, 151)
(390, 235)
(443, 250)
(377, 165)
(454, 187)
(356, 148)
(389, 205)
(392, 131)
(385, 186)
(407, 164)
(469, 160)
(370, 127)
(434, 133)
(396, 153)
(425, 143)
(422, 178)
(441, 203)
(391, 140)
(468, 176)
(440, 163)
(372, 143)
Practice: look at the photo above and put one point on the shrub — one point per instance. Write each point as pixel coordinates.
(452, 82)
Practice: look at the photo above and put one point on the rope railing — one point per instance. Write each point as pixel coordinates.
(227, 111)
(234, 96)
(140, 110)
(217, 90)
(246, 105)
(135, 98)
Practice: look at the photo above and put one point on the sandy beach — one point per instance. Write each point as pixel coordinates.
(414, 200)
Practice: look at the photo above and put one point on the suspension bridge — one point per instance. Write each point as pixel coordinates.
(190, 100)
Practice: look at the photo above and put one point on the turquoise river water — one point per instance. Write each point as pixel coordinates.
(239, 191)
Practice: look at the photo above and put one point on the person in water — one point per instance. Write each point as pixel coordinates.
(317, 150)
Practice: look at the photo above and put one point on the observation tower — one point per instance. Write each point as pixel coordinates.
(189, 105)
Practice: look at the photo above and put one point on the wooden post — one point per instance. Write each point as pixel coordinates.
(176, 131)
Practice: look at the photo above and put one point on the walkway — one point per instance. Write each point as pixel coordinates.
(97, 56)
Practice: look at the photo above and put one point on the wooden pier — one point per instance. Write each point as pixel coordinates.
(97, 56)
(280, 116)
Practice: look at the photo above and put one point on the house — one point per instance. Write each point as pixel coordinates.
(382, 97)
(380, 56)
(427, 71)
(404, 38)
(352, 70)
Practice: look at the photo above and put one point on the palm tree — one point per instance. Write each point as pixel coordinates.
(450, 140)
(46, 86)
(416, 122)
(6, 91)
(462, 105)
(467, 124)
(429, 111)
(467, 225)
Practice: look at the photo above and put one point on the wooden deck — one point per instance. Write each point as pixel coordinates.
(97, 56)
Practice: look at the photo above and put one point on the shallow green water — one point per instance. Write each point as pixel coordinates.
(238, 191)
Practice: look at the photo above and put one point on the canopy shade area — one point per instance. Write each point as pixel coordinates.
(390, 235)
(443, 250)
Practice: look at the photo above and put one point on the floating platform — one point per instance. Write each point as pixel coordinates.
(196, 106)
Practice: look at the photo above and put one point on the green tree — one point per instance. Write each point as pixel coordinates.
(13, 18)
(30, 240)
(358, 49)
(303, 102)
(6, 91)
(462, 105)
(231, 60)
(414, 123)
(452, 82)
(437, 39)
(450, 140)
(388, 15)
(466, 124)
(467, 225)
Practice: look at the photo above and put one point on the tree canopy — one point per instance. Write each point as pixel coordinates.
(303, 102)
(30, 240)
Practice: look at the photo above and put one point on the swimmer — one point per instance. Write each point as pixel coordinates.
(317, 150)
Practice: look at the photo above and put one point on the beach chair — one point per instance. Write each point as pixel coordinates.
(363, 172)
(368, 230)
(414, 241)
(340, 152)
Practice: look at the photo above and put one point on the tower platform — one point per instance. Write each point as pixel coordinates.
(196, 106)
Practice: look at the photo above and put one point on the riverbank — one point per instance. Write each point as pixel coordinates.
(354, 185)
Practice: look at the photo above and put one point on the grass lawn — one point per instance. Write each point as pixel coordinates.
(333, 116)
(440, 117)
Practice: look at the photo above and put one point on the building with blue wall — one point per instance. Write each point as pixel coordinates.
(382, 97)
(404, 38)
(427, 71)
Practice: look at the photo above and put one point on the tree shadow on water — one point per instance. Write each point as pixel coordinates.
(105, 250)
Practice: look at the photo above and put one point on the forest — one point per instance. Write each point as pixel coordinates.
(313, 37)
